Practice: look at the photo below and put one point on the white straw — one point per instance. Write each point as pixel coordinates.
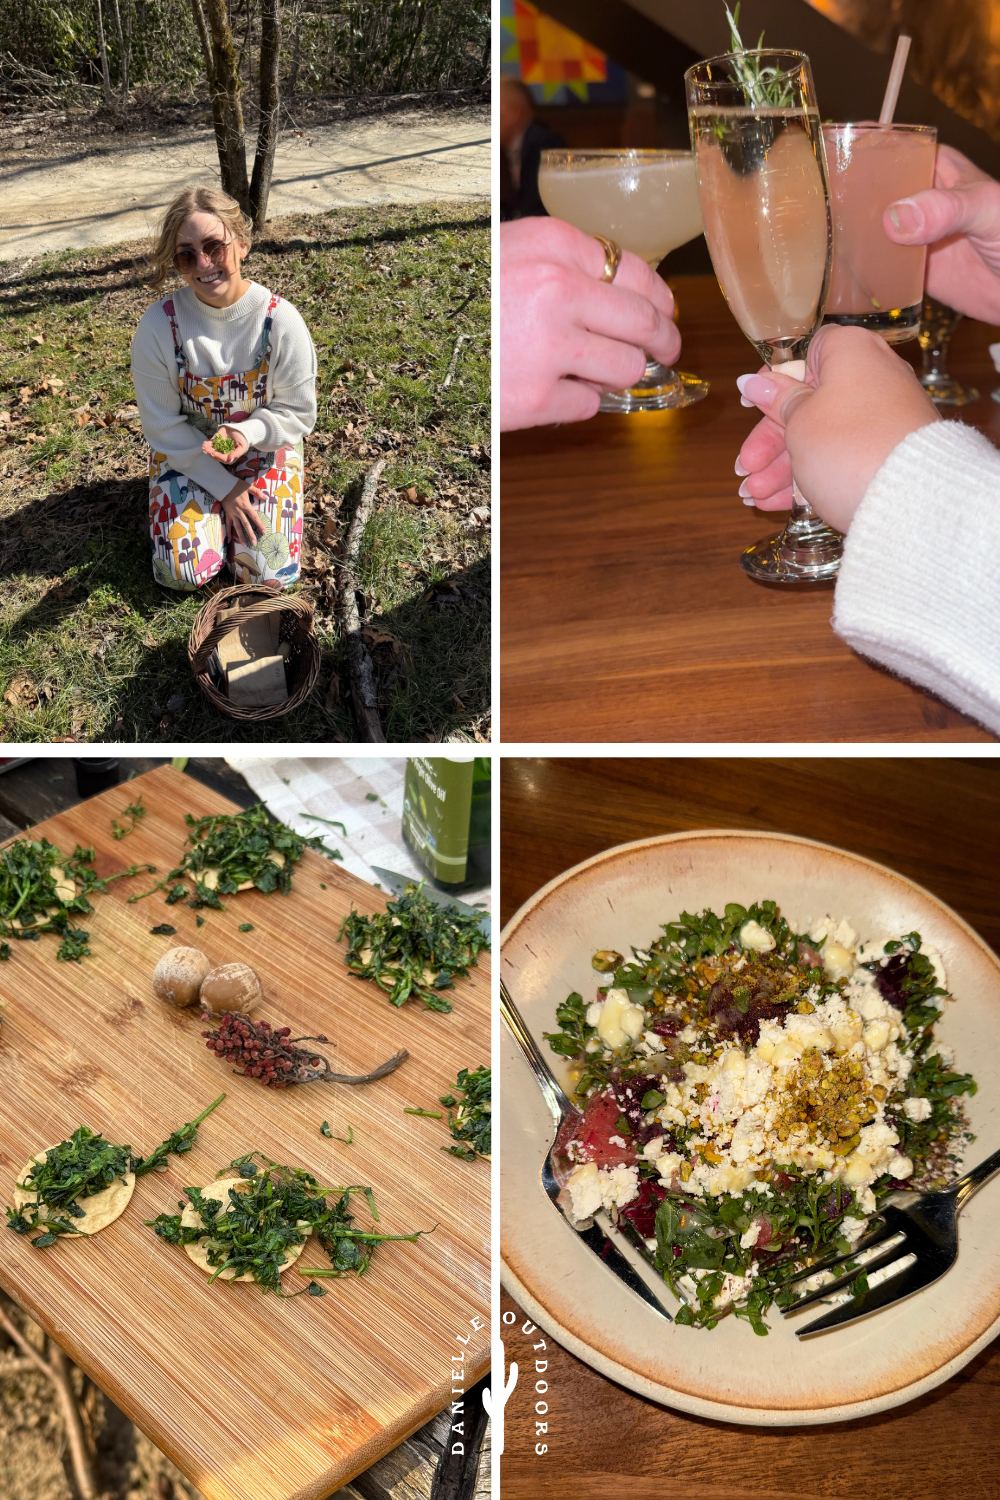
(895, 81)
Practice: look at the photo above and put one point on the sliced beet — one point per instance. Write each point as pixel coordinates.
(641, 1212)
(889, 979)
(629, 1093)
(599, 1124)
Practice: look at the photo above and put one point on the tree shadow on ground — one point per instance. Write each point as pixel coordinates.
(88, 542)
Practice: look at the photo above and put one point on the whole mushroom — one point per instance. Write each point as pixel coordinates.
(179, 974)
(232, 987)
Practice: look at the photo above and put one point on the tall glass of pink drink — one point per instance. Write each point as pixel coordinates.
(875, 283)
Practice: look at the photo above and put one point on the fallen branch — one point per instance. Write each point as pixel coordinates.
(57, 1367)
(359, 664)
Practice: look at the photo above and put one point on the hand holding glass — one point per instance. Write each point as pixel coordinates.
(764, 201)
(647, 202)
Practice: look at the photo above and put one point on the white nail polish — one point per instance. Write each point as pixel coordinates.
(744, 491)
(740, 470)
(745, 402)
(749, 500)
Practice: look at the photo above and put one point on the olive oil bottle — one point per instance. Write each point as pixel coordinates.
(446, 818)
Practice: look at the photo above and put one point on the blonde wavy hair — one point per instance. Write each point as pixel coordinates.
(194, 200)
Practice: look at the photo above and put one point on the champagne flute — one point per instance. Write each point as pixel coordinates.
(647, 202)
(765, 203)
(936, 328)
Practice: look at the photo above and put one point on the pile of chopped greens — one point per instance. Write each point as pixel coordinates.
(470, 1124)
(238, 847)
(257, 1226)
(685, 980)
(32, 874)
(82, 1166)
(414, 947)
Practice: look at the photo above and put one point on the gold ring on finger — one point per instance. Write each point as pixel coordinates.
(612, 257)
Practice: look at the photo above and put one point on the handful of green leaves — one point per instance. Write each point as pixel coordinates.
(470, 1125)
(41, 889)
(230, 851)
(257, 1226)
(223, 444)
(414, 947)
(82, 1166)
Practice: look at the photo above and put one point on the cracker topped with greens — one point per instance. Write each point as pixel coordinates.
(42, 890)
(231, 852)
(415, 947)
(751, 1094)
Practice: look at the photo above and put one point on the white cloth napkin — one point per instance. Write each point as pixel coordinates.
(365, 793)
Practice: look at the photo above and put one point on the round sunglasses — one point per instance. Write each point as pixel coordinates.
(186, 261)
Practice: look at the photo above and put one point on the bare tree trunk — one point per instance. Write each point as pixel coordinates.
(123, 54)
(213, 91)
(294, 78)
(405, 61)
(270, 105)
(103, 53)
(226, 85)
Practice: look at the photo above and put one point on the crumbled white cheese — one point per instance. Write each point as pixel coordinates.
(751, 1235)
(591, 1188)
(852, 1229)
(917, 1109)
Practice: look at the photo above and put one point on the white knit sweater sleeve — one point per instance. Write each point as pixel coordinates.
(164, 425)
(290, 410)
(919, 585)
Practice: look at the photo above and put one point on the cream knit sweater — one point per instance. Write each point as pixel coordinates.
(220, 341)
(919, 586)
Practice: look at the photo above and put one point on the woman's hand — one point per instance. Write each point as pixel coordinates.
(959, 218)
(242, 446)
(834, 430)
(242, 520)
(557, 319)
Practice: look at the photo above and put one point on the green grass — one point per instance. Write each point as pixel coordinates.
(91, 648)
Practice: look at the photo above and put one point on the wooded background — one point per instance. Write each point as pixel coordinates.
(329, 46)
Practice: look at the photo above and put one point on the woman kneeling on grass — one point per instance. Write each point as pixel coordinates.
(221, 359)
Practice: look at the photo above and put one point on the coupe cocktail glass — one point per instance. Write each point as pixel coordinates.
(647, 202)
(764, 201)
(875, 283)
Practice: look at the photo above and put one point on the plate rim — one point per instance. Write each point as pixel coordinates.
(652, 1390)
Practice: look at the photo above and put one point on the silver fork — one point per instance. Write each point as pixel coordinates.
(913, 1243)
(563, 1111)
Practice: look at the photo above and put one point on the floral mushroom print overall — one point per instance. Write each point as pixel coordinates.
(186, 525)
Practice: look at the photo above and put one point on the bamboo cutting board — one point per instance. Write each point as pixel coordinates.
(253, 1397)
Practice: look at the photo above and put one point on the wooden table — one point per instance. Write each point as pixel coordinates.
(936, 821)
(249, 1396)
(624, 613)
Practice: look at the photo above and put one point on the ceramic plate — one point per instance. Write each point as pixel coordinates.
(619, 899)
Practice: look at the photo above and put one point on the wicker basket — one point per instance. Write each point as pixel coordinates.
(215, 620)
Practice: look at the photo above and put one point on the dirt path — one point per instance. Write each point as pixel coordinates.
(83, 198)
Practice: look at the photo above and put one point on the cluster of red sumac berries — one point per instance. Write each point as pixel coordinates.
(259, 1051)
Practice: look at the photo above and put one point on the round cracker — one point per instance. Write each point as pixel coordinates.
(100, 1209)
(209, 877)
(198, 1250)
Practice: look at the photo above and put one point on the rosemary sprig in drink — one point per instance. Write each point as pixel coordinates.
(763, 86)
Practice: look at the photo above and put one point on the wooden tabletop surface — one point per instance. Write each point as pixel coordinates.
(624, 612)
(935, 821)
